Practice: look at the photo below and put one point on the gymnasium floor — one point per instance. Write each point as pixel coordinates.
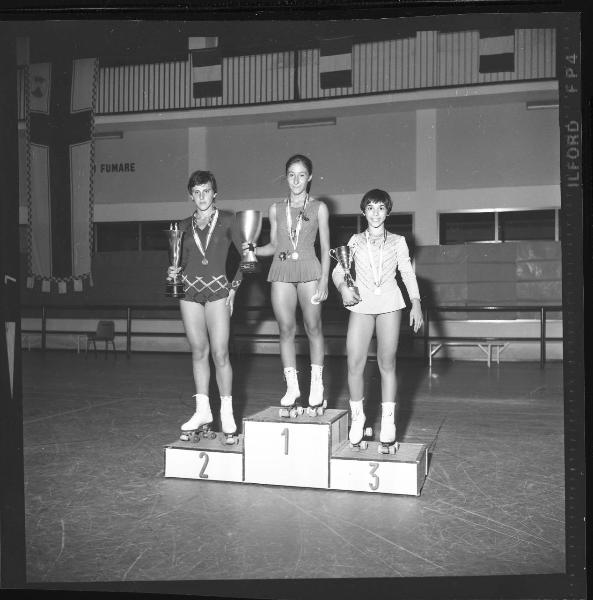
(98, 508)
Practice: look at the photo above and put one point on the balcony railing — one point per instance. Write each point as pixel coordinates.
(430, 59)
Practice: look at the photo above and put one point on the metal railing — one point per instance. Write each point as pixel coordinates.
(130, 313)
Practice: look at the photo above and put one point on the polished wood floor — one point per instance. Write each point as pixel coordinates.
(98, 508)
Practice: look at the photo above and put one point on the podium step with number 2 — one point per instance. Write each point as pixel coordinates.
(302, 451)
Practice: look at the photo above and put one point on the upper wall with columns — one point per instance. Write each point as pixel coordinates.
(484, 156)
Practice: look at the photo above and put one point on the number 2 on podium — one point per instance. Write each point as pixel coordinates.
(203, 469)
(285, 434)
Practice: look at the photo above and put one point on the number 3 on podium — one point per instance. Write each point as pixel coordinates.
(375, 483)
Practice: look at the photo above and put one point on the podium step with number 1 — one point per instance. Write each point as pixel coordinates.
(292, 451)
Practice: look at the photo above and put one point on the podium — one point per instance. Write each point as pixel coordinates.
(206, 459)
(292, 452)
(304, 451)
(368, 471)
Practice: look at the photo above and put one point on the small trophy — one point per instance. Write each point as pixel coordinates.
(174, 287)
(344, 255)
(248, 223)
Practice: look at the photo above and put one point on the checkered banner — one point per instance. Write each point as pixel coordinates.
(60, 160)
(206, 63)
(497, 51)
(335, 63)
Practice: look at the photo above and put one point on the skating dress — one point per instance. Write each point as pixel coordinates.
(207, 282)
(307, 266)
(395, 257)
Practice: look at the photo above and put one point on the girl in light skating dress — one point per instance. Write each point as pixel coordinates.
(375, 306)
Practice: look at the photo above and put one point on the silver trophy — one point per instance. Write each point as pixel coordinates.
(174, 287)
(248, 224)
(344, 255)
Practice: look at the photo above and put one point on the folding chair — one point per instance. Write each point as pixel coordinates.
(105, 333)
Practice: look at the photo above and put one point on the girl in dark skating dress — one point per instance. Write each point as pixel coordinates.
(208, 304)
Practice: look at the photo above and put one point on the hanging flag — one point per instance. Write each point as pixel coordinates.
(497, 51)
(335, 63)
(60, 166)
(206, 67)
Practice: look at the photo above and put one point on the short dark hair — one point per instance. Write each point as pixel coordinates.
(376, 196)
(302, 159)
(200, 178)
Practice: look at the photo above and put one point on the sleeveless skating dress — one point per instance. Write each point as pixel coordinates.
(307, 266)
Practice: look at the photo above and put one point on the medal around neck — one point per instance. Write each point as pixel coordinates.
(211, 225)
(248, 226)
(377, 271)
(344, 255)
(174, 286)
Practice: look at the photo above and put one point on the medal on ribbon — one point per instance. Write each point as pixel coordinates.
(211, 226)
(377, 271)
(294, 234)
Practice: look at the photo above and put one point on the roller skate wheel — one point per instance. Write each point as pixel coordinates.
(354, 447)
(382, 449)
(300, 410)
(363, 445)
(211, 435)
(293, 413)
(311, 411)
(184, 437)
(368, 432)
(320, 411)
(284, 412)
(230, 440)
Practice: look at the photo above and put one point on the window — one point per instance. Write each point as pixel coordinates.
(460, 228)
(499, 226)
(115, 237)
(402, 224)
(527, 225)
(154, 236)
(341, 229)
(264, 236)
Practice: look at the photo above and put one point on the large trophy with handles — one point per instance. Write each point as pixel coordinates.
(248, 224)
(344, 255)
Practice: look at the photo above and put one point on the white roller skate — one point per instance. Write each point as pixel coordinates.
(387, 445)
(357, 428)
(227, 421)
(317, 404)
(288, 403)
(199, 425)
